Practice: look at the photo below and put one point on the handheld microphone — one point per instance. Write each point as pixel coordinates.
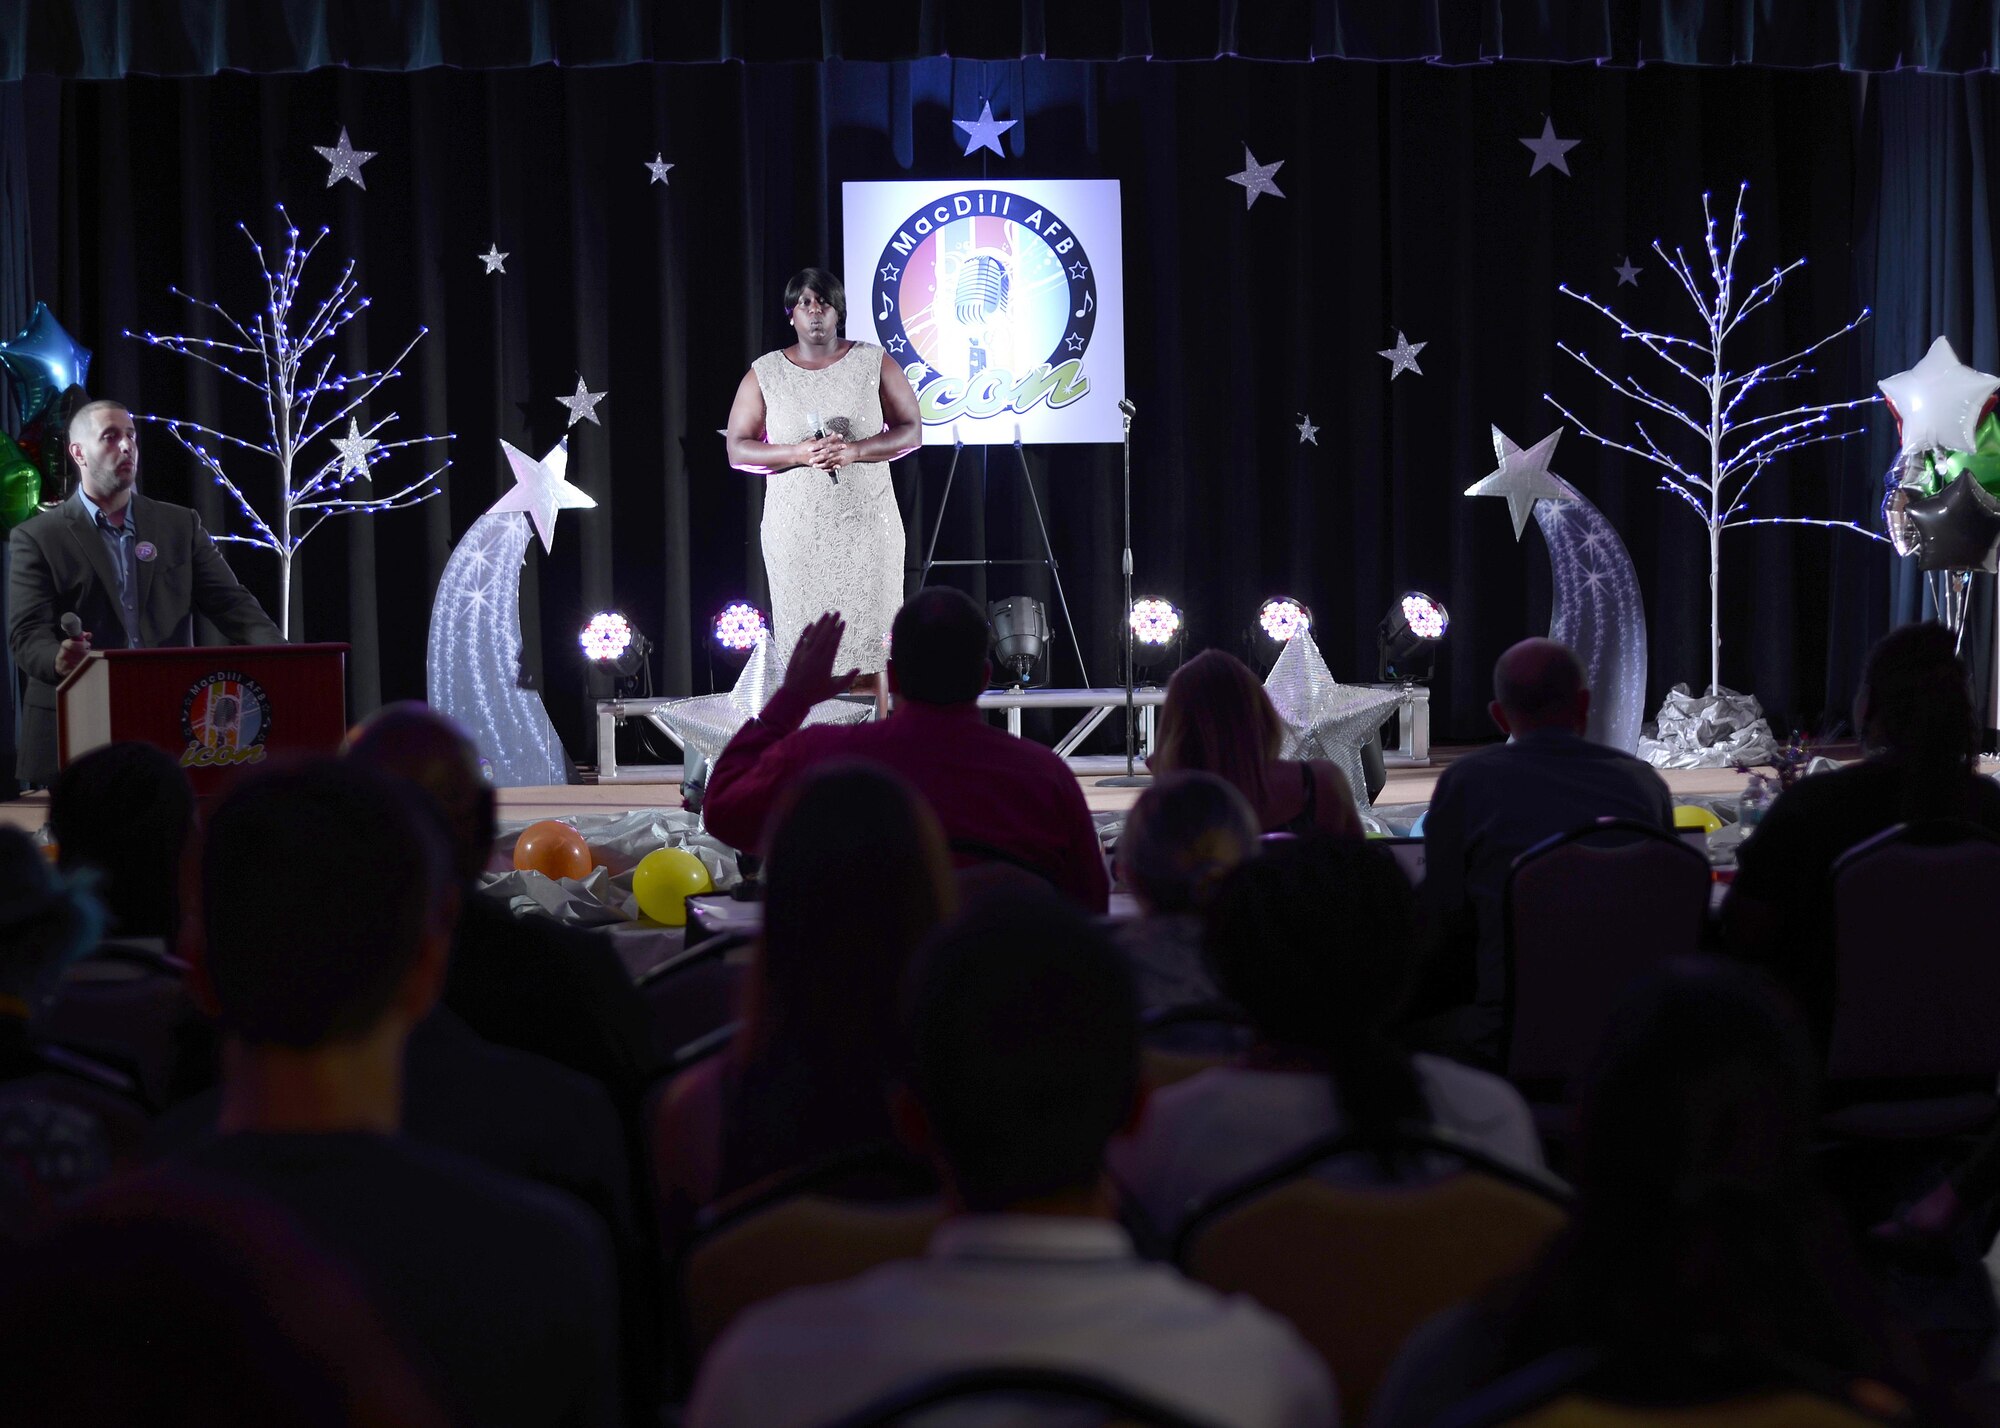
(72, 625)
(1125, 406)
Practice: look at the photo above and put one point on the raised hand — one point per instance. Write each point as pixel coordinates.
(810, 674)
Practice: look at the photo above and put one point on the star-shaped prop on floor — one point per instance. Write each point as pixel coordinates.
(346, 160)
(1256, 178)
(1307, 431)
(657, 166)
(493, 258)
(1523, 477)
(1627, 271)
(1939, 401)
(1549, 150)
(1325, 719)
(1403, 356)
(354, 448)
(985, 131)
(541, 489)
(708, 722)
(582, 403)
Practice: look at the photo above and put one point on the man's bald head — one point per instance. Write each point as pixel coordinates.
(1538, 684)
(415, 744)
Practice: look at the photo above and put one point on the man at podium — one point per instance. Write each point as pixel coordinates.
(134, 572)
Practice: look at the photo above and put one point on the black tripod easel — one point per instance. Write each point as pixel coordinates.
(1048, 557)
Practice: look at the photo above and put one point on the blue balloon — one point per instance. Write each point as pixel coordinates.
(44, 361)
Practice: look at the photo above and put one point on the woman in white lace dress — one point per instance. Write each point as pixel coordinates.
(822, 419)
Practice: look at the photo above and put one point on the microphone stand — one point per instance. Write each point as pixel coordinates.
(1131, 779)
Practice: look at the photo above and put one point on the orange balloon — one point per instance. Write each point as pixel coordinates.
(554, 849)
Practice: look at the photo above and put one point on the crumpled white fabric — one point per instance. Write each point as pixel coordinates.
(1717, 730)
(619, 840)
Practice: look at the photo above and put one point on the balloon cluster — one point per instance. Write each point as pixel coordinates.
(1941, 497)
(48, 368)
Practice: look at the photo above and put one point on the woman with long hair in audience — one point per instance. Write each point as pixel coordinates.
(1920, 737)
(1315, 940)
(1701, 1256)
(1217, 718)
(856, 876)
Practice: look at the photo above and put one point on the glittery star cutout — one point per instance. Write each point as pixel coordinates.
(657, 167)
(354, 448)
(1523, 477)
(583, 404)
(1307, 431)
(1549, 150)
(1256, 178)
(493, 258)
(1628, 272)
(541, 489)
(1403, 356)
(985, 131)
(346, 160)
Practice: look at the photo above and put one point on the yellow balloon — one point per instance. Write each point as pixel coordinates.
(1688, 815)
(663, 882)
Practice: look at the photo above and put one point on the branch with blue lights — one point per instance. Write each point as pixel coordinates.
(284, 355)
(1733, 438)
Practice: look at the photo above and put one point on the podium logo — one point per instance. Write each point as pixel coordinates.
(224, 719)
(988, 302)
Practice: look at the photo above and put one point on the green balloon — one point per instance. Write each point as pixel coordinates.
(1983, 461)
(20, 484)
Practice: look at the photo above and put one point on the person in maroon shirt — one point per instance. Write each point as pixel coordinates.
(999, 798)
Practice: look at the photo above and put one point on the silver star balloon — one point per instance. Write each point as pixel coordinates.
(1403, 356)
(493, 258)
(354, 448)
(1940, 401)
(708, 722)
(1523, 477)
(657, 166)
(346, 160)
(541, 489)
(1549, 150)
(985, 131)
(582, 404)
(1256, 178)
(1323, 718)
(1306, 430)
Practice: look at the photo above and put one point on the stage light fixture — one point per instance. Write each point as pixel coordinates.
(611, 643)
(1407, 640)
(741, 627)
(1156, 629)
(1283, 617)
(1020, 634)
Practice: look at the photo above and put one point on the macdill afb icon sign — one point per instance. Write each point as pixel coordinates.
(1003, 302)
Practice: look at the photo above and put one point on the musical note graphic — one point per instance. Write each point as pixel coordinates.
(883, 315)
(1088, 300)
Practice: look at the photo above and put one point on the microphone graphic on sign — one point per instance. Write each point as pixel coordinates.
(980, 301)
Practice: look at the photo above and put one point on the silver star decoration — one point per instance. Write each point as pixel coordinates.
(1403, 356)
(1549, 150)
(1628, 272)
(354, 448)
(708, 722)
(346, 160)
(657, 167)
(1523, 477)
(985, 131)
(541, 488)
(1256, 178)
(493, 258)
(582, 404)
(1307, 431)
(1325, 719)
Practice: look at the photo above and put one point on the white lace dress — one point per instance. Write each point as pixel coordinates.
(831, 544)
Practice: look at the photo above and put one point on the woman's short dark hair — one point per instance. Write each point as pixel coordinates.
(830, 289)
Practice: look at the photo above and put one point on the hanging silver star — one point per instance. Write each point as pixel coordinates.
(541, 488)
(583, 404)
(985, 131)
(493, 258)
(1628, 272)
(354, 448)
(1307, 431)
(1256, 178)
(1523, 477)
(1403, 356)
(346, 160)
(1323, 718)
(1549, 150)
(708, 722)
(657, 167)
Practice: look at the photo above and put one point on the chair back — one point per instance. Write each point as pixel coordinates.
(1057, 1392)
(689, 996)
(130, 1006)
(1587, 913)
(1358, 1268)
(1916, 984)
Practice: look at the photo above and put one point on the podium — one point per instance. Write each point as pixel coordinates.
(217, 711)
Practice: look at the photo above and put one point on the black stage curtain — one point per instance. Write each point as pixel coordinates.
(108, 39)
(1408, 206)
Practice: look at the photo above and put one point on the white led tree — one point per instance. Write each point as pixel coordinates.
(283, 356)
(1732, 441)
